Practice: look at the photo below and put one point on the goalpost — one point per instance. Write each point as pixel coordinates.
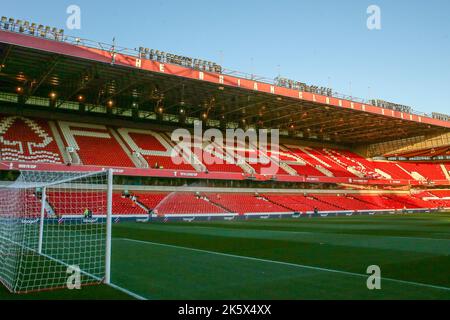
(55, 229)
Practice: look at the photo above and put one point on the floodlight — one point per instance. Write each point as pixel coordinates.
(26, 25)
(33, 28)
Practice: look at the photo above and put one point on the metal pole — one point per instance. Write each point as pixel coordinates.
(41, 222)
(108, 228)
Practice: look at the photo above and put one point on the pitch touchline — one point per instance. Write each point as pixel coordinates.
(283, 263)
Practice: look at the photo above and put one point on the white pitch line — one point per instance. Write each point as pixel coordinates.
(130, 293)
(285, 263)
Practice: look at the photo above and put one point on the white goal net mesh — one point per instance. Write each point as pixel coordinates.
(52, 227)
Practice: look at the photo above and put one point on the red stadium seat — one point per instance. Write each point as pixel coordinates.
(26, 139)
(245, 203)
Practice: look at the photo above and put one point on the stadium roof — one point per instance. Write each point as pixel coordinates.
(105, 75)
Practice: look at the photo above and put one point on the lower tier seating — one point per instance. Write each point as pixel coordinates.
(245, 203)
(76, 202)
(186, 203)
(125, 205)
(163, 203)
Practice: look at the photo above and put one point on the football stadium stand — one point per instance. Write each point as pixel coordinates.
(25, 139)
(335, 154)
(32, 140)
(220, 203)
(187, 203)
(245, 203)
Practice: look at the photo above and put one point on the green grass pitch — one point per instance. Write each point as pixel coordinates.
(318, 258)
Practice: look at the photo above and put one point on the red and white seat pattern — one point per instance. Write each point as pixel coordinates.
(216, 159)
(429, 171)
(392, 168)
(155, 148)
(353, 163)
(94, 144)
(25, 139)
(33, 140)
(301, 162)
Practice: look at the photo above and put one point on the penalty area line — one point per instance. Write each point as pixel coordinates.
(418, 284)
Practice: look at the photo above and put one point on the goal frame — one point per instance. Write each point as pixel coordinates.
(106, 279)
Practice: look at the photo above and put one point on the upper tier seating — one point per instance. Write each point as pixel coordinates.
(427, 170)
(306, 170)
(98, 152)
(392, 169)
(25, 139)
(215, 158)
(260, 162)
(309, 169)
(156, 150)
(337, 169)
(94, 144)
(352, 161)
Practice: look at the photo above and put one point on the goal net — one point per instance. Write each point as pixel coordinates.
(55, 230)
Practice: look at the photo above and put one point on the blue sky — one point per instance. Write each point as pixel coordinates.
(322, 42)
